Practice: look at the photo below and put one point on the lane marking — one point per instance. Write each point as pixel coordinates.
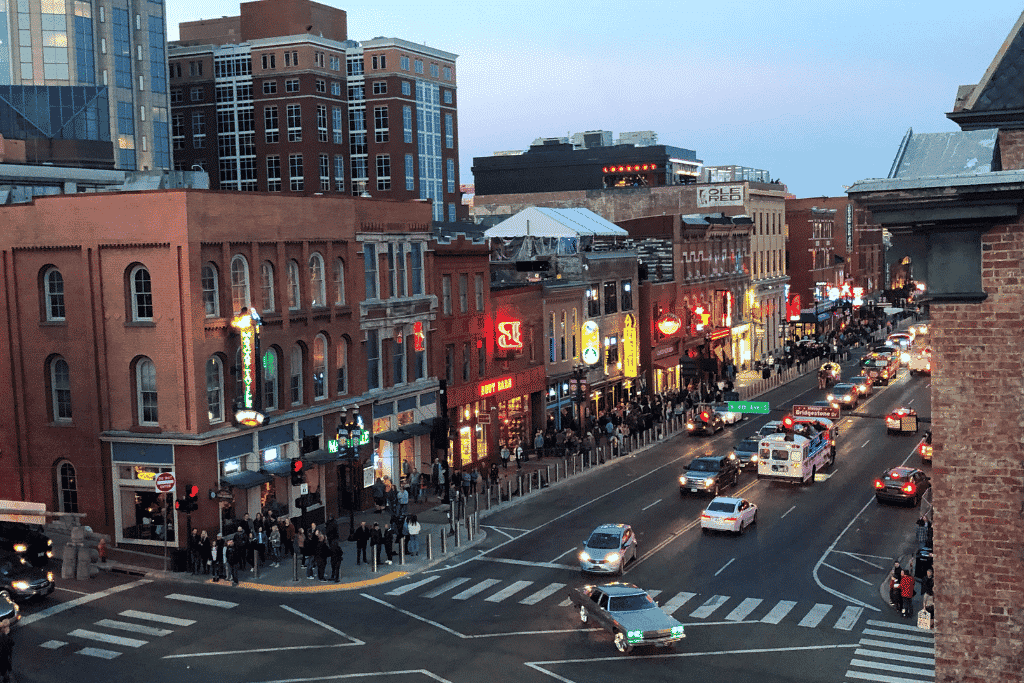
(861, 557)
(407, 613)
(210, 602)
(788, 511)
(570, 550)
(53, 644)
(898, 627)
(261, 650)
(64, 606)
(107, 638)
(879, 678)
(676, 602)
(375, 674)
(97, 652)
(328, 627)
(500, 531)
(863, 445)
(887, 666)
(654, 593)
(779, 612)
(814, 617)
(898, 646)
(849, 617)
(899, 636)
(837, 569)
(544, 592)
(509, 591)
(897, 656)
(651, 505)
(159, 618)
(743, 610)
(133, 628)
(712, 603)
(478, 588)
(524, 563)
(724, 566)
(401, 590)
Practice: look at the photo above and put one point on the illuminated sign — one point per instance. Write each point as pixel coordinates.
(669, 324)
(247, 323)
(833, 293)
(793, 308)
(495, 386)
(701, 319)
(591, 343)
(630, 347)
(418, 336)
(720, 333)
(629, 168)
(510, 335)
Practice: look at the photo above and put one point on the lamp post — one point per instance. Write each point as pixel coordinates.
(349, 434)
(579, 383)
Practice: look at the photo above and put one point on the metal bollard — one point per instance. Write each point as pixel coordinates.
(444, 541)
(430, 547)
(469, 528)
(295, 566)
(509, 483)
(529, 483)
(373, 558)
(255, 564)
(487, 499)
(458, 535)
(547, 471)
(573, 467)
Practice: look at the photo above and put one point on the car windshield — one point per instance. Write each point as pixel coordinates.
(603, 541)
(747, 445)
(703, 466)
(875, 363)
(630, 603)
(721, 506)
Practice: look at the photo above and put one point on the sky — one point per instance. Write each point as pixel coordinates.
(818, 94)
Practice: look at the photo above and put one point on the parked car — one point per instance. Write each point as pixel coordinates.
(706, 421)
(28, 540)
(608, 550)
(901, 420)
(709, 474)
(902, 485)
(23, 580)
(728, 514)
(745, 452)
(628, 613)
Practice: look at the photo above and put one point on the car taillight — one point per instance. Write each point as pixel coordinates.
(705, 515)
(730, 519)
(879, 484)
(908, 489)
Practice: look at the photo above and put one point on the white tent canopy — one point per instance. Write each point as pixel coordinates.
(547, 222)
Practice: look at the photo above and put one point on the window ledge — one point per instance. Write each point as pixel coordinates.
(140, 323)
(53, 323)
(144, 429)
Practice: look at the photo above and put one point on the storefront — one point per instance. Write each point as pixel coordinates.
(140, 509)
(401, 435)
(743, 344)
(665, 367)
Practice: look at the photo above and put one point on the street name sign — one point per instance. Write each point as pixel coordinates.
(748, 407)
(816, 411)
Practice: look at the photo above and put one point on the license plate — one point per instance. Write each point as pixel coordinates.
(693, 490)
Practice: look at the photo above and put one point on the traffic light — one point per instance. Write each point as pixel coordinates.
(191, 498)
(298, 471)
(179, 505)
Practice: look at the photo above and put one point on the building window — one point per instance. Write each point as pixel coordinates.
(321, 122)
(380, 123)
(295, 368)
(291, 58)
(435, 71)
(142, 294)
(270, 124)
(420, 357)
(416, 268)
(380, 61)
(295, 172)
(291, 84)
(211, 295)
(610, 298)
(294, 123)
(294, 300)
(407, 124)
(198, 129)
(403, 61)
(627, 295)
(396, 262)
(418, 66)
(239, 283)
(196, 94)
(561, 338)
(451, 175)
(273, 173)
(449, 363)
(380, 88)
(463, 293)
(406, 88)
(335, 88)
(68, 487)
(410, 173)
(271, 380)
(178, 131)
(373, 359)
(267, 285)
(269, 62)
(317, 288)
(214, 390)
(465, 362)
(398, 359)
(335, 63)
(448, 76)
(177, 97)
(339, 173)
(319, 367)
(451, 212)
(145, 392)
(60, 389)
(354, 65)
(321, 85)
(478, 288)
(336, 128)
(342, 374)
(383, 171)
(325, 172)
(370, 269)
(53, 282)
(339, 282)
(572, 333)
(449, 131)
(593, 302)
(446, 294)
(269, 87)
(551, 338)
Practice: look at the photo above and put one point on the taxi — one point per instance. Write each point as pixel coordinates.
(901, 420)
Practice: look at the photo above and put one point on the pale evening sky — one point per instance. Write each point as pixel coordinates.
(819, 94)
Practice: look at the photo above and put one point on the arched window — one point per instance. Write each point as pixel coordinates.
(271, 380)
(215, 390)
(67, 485)
(60, 389)
(319, 367)
(294, 300)
(267, 281)
(142, 294)
(342, 375)
(339, 281)
(54, 283)
(145, 392)
(211, 291)
(239, 283)
(295, 369)
(317, 288)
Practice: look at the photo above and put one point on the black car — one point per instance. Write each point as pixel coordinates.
(902, 485)
(8, 608)
(709, 474)
(27, 540)
(23, 581)
(707, 421)
(746, 452)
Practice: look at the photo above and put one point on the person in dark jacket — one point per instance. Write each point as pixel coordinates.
(234, 559)
(362, 536)
(376, 540)
(310, 551)
(337, 555)
(895, 599)
(388, 541)
(323, 553)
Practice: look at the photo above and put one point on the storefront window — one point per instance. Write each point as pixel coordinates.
(142, 509)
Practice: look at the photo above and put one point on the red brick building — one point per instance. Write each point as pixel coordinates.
(125, 364)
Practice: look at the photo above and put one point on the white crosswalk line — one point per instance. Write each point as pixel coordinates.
(97, 652)
(209, 602)
(879, 678)
(509, 591)
(900, 636)
(779, 612)
(445, 587)
(565, 603)
(705, 610)
(743, 610)
(478, 588)
(898, 656)
(53, 644)
(401, 590)
(814, 617)
(897, 646)
(107, 638)
(544, 592)
(133, 628)
(849, 617)
(898, 627)
(159, 618)
(677, 601)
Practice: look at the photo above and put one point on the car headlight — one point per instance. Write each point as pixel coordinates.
(678, 630)
(753, 458)
(709, 481)
(682, 480)
(49, 576)
(612, 557)
(19, 585)
(846, 398)
(20, 548)
(831, 397)
(689, 425)
(584, 556)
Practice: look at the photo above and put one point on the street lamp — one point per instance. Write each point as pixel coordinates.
(579, 384)
(349, 434)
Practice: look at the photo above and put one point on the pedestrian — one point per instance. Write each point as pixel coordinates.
(403, 502)
(376, 539)
(337, 555)
(505, 455)
(219, 559)
(907, 585)
(414, 485)
(287, 535)
(928, 591)
(362, 537)
(192, 547)
(234, 559)
(299, 545)
(467, 481)
(309, 550)
(538, 446)
(260, 536)
(414, 535)
(240, 538)
(6, 651)
(388, 540)
(521, 455)
(205, 554)
(275, 546)
(377, 491)
(895, 599)
(323, 553)
(494, 473)
(473, 477)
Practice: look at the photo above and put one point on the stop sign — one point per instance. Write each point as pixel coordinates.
(164, 482)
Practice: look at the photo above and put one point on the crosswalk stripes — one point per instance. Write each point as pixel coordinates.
(893, 653)
(746, 610)
(141, 629)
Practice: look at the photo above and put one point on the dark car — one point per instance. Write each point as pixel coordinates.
(745, 452)
(709, 474)
(707, 421)
(22, 580)
(8, 608)
(844, 395)
(902, 485)
(27, 540)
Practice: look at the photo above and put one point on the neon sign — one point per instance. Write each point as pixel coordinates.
(703, 318)
(510, 335)
(495, 386)
(720, 333)
(591, 342)
(418, 337)
(630, 347)
(247, 323)
(669, 324)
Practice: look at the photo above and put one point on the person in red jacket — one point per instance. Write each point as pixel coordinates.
(907, 592)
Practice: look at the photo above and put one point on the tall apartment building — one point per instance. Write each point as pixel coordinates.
(278, 99)
(107, 61)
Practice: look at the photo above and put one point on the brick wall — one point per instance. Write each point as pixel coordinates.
(978, 473)
(1011, 149)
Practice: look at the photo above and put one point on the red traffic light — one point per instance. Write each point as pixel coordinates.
(787, 422)
(193, 491)
(297, 466)
(177, 504)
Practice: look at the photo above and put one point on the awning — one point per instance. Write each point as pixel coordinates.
(394, 436)
(321, 456)
(416, 429)
(280, 468)
(246, 479)
(665, 363)
(430, 422)
(893, 311)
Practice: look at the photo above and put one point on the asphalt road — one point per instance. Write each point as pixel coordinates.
(795, 598)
